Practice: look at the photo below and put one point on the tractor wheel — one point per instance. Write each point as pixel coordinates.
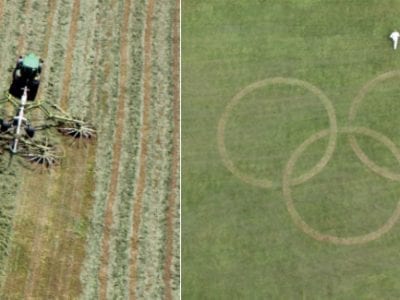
(30, 131)
(4, 126)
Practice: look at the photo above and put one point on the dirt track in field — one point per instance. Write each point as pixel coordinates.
(66, 240)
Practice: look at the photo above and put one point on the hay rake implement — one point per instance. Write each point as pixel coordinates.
(17, 133)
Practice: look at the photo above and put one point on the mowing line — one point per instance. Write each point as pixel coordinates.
(175, 155)
(69, 55)
(108, 220)
(144, 132)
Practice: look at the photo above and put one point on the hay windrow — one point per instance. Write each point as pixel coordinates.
(119, 244)
(152, 249)
(106, 110)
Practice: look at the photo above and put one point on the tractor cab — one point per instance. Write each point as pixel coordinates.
(26, 74)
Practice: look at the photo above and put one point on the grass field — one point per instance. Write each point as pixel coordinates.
(105, 223)
(291, 148)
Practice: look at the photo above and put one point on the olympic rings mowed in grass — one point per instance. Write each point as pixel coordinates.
(288, 182)
(267, 183)
(298, 220)
(352, 116)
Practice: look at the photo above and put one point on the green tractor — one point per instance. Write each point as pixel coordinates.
(26, 74)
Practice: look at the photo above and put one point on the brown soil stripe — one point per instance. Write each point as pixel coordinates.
(175, 155)
(21, 41)
(116, 150)
(144, 133)
(69, 55)
(50, 17)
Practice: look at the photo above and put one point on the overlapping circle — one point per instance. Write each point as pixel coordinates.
(267, 183)
(351, 131)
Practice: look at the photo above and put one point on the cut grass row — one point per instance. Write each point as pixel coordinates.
(84, 67)
(117, 167)
(109, 64)
(69, 55)
(55, 68)
(118, 272)
(152, 235)
(143, 143)
(172, 263)
(82, 72)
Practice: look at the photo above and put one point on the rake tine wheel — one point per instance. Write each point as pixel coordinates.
(44, 154)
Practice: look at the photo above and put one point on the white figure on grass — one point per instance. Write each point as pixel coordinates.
(395, 37)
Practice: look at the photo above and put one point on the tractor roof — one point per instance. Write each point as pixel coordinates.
(31, 61)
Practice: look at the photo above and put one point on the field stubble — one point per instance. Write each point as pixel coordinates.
(58, 239)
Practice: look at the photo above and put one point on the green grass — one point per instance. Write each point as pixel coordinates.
(239, 241)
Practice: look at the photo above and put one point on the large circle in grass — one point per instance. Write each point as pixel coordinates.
(267, 182)
(352, 117)
(297, 218)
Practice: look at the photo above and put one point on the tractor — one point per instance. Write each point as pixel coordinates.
(17, 133)
(26, 74)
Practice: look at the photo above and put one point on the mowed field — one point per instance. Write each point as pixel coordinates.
(105, 223)
(290, 150)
